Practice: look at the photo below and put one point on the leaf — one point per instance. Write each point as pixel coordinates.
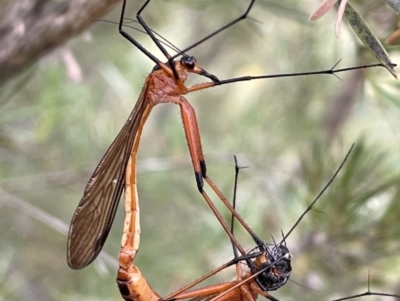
(339, 17)
(368, 38)
(395, 4)
(322, 9)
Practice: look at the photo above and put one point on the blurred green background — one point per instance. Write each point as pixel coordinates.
(292, 133)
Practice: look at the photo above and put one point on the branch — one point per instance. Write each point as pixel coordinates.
(31, 28)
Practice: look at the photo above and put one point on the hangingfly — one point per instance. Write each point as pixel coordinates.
(116, 171)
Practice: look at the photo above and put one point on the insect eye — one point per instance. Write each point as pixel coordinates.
(189, 62)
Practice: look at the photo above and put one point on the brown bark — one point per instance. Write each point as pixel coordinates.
(31, 28)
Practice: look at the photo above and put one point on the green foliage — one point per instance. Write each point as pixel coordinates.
(54, 130)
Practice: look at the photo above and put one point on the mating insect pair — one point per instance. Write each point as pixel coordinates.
(116, 173)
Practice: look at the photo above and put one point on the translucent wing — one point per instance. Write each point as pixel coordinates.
(95, 213)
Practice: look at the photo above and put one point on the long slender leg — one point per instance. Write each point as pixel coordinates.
(196, 153)
(231, 209)
(256, 288)
(238, 19)
(159, 44)
(204, 291)
(150, 32)
(131, 39)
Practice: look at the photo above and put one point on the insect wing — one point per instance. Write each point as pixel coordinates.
(95, 213)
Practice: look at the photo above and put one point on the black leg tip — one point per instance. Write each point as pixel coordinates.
(199, 181)
(203, 168)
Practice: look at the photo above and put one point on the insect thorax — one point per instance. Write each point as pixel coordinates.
(275, 264)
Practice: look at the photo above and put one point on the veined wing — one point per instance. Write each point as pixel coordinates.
(95, 213)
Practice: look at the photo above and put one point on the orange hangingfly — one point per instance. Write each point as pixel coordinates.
(116, 171)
